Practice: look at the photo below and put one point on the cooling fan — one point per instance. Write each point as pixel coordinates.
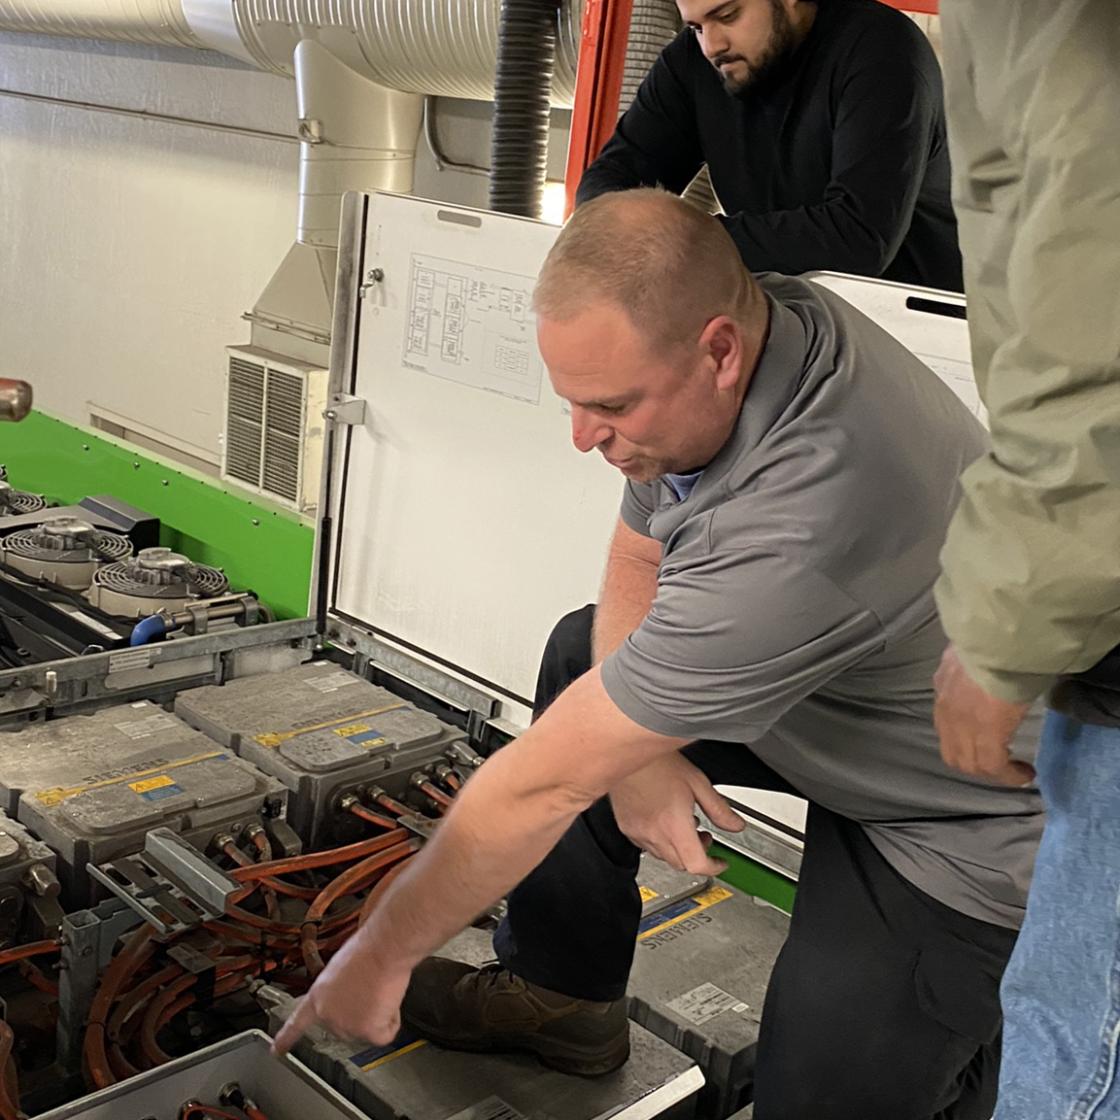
(18, 501)
(154, 580)
(63, 550)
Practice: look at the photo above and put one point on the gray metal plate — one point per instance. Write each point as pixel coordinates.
(699, 981)
(415, 1079)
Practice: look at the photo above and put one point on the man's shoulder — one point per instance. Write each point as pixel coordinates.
(873, 27)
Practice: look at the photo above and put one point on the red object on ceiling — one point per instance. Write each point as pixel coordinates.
(602, 57)
(919, 7)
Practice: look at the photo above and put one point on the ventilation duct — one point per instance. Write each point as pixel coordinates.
(519, 147)
(443, 47)
(354, 134)
(653, 26)
(156, 22)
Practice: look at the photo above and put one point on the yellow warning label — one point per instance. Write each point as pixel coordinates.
(57, 794)
(149, 784)
(351, 729)
(648, 893)
(278, 738)
(696, 905)
(712, 895)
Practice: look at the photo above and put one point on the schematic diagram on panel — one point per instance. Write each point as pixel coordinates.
(474, 326)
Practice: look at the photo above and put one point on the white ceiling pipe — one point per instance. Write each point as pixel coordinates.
(355, 135)
(442, 47)
(158, 22)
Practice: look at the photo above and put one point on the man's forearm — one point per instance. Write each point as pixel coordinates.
(507, 819)
(629, 588)
(627, 596)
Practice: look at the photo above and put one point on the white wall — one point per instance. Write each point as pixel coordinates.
(130, 247)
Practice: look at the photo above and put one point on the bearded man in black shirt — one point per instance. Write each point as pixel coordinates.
(823, 128)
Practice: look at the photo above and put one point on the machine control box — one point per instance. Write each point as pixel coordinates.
(324, 732)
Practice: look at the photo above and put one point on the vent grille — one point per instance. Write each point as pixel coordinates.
(245, 396)
(266, 415)
(283, 430)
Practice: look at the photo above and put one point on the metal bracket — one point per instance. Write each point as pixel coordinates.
(88, 941)
(345, 409)
(453, 691)
(310, 130)
(170, 884)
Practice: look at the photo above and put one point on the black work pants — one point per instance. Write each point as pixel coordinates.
(883, 1004)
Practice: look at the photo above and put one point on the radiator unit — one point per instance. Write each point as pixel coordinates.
(273, 441)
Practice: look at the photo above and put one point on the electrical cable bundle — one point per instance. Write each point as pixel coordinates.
(285, 922)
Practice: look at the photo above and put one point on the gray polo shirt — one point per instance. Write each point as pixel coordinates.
(795, 611)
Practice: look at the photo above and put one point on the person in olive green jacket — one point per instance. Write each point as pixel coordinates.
(1030, 591)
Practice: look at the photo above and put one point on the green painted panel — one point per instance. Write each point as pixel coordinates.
(754, 879)
(261, 547)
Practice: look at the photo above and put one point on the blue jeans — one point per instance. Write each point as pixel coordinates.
(1061, 991)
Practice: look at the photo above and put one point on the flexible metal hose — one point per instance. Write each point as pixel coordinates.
(522, 85)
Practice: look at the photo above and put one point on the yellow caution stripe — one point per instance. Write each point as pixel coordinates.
(57, 794)
(278, 738)
(386, 1058)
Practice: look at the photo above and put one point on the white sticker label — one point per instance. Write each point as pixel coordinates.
(706, 1002)
(332, 682)
(149, 725)
(129, 659)
(493, 1108)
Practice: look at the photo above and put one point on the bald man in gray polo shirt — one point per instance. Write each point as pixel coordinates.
(766, 620)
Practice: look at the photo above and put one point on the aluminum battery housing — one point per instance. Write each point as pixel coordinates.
(322, 731)
(92, 786)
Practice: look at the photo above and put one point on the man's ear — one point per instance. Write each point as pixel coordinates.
(722, 343)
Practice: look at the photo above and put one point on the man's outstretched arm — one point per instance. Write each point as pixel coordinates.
(506, 820)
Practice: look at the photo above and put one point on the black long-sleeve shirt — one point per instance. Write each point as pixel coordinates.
(840, 162)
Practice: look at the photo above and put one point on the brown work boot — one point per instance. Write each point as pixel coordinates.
(490, 1009)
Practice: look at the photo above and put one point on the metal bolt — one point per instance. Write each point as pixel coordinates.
(85, 446)
(256, 520)
(375, 275)
(164, 482)
(135, 466)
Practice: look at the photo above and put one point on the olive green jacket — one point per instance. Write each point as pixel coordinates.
(1031, 569)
